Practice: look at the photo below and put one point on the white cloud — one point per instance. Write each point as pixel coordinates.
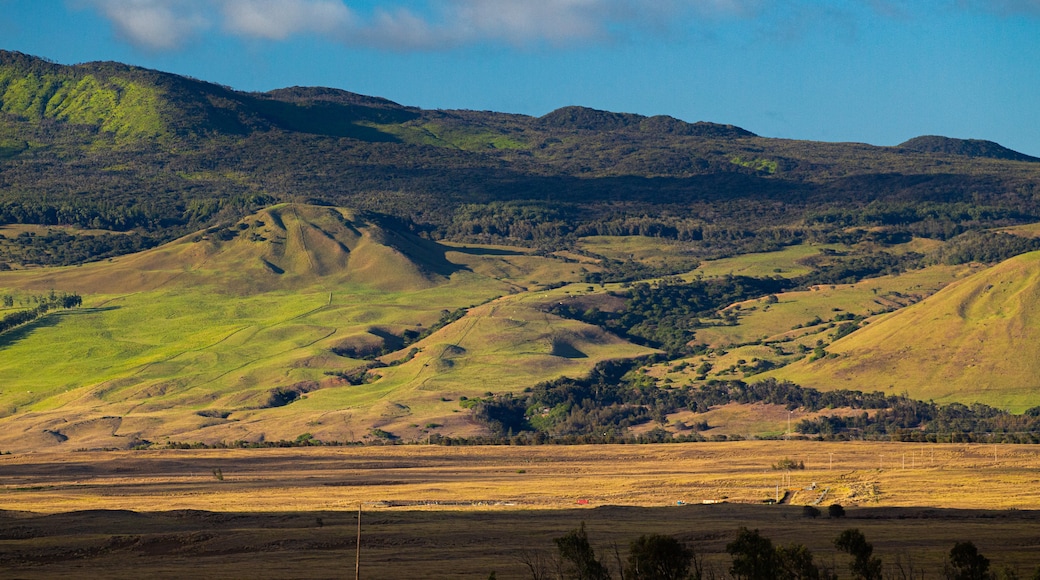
(154, 24)
(168, 24)
(280, 19)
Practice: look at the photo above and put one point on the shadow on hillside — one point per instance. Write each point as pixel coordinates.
(333, 119)
(52, 319)
(485, 251)
(391, 341)
(483, 185)
(429, 256)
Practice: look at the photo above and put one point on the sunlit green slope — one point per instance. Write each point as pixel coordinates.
(976, 340)
(234, 333)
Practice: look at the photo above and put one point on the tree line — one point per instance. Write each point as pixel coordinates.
(753, 557)
(602, 406)
(43, 306)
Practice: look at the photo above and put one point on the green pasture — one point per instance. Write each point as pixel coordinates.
(504, 346)
(785, 262)
(117, 105)
(645, 249)
(201, 340)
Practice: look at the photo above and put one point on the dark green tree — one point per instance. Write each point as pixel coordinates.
(754, 557)
(835, 510)
(796, 563)
(966, 563)
(658, 557)
(579, 558)
(863, 566)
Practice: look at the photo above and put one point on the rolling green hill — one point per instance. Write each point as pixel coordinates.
(974, 341)
(248, 332)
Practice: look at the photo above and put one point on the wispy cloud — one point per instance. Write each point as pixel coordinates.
(525, 23)
(280, 19)
(450, 23)
(429, 24)
(154, 24)
(443, 24)
(169, 24)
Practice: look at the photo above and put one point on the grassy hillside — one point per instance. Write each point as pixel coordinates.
(973, 341)
(304, 320)
(38, 91)
(232, 334)
(750, 337)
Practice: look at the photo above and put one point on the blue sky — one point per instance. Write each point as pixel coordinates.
(874, 71)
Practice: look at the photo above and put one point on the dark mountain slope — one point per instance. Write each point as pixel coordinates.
(111, 146)
(586, 119)
(965, 147)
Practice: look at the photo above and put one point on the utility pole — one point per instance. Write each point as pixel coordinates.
(357, 557)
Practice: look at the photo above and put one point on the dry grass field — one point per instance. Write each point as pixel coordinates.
(448, 512)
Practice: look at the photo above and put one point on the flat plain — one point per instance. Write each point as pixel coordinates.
(446, 512)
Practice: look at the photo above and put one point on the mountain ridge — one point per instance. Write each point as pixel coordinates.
(566, 117)
(163, 155)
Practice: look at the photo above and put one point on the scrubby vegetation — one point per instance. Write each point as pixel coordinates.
(753, 557)
(80, 145)
(601, 408)
(664, 314)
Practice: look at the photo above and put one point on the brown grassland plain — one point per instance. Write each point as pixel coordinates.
(448, 512)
